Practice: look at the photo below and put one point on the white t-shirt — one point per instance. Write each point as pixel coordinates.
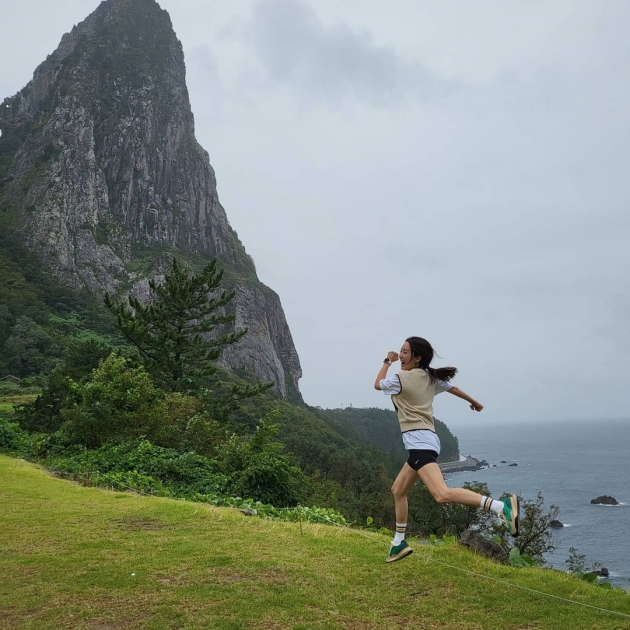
(423, 439)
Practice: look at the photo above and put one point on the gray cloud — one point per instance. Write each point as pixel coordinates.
(333, 62)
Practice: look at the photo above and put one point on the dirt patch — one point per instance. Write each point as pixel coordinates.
(122, 624)
(173, 580)
(230, 576)
(274, 575)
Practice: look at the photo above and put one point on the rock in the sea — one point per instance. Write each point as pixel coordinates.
(603, 572)
(503, 462)
(484, 546)
(513, 464)
(605, 500)
(555, 524)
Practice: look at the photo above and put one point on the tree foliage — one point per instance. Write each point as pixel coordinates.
(119, 402)
(432, 518)
(30, 349)
(173, 333)
(380, 428)
(259, 469)
(535, 537)
(39, 317)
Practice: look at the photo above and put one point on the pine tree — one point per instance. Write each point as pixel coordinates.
(173, 332)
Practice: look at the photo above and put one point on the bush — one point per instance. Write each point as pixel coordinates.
(7, 388)
(146, 468)
(189, 427)
(453, 519)
(14, 439)
(119, 402)
(534, 539)
(257, 468)
(44, 413)
(158, 468)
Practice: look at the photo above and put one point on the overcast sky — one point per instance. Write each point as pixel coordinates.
(455, 170)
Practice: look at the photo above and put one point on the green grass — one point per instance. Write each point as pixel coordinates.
(8, 402)
(77, 557)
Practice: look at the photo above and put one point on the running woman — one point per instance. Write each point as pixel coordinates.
(413, 390)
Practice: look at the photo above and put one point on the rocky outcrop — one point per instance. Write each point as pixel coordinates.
(605, 500)
(481, 545)
(468, 463)
(556, 524)
(101, 171)
(258, 310)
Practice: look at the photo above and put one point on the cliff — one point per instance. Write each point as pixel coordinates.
(102, 177)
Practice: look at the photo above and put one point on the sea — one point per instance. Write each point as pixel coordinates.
(570, 463)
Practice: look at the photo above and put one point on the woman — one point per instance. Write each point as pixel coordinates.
(412, 391)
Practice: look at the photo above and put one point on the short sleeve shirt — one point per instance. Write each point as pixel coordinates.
(422, 440)
(391, 386)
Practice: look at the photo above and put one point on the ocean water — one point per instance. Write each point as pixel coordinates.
(570, 463)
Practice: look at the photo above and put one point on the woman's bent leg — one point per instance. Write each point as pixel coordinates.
(433, 479)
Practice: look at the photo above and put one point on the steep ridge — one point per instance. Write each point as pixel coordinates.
(102, 177)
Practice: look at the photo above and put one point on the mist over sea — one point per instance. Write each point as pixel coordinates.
(570, 463)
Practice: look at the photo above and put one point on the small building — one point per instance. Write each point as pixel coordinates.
(9, 378)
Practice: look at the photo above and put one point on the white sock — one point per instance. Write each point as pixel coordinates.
(491, 505)
(401, 528)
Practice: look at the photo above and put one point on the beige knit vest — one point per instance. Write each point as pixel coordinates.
(414, 404)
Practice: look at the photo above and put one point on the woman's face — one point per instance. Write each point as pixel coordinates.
(406, 362)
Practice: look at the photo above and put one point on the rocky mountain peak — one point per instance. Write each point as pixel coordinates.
(102, 175)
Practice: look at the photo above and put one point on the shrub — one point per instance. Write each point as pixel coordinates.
(14, 439)
(158, 468)
(117, 403)
(257, 468)
(454, 519)
(535, 535)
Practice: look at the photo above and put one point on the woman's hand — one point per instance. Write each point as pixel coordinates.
(460, 393)
(392, 356)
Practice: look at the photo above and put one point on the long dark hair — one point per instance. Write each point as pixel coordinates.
(422, 348)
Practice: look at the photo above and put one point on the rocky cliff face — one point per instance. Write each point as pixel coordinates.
(100, 168)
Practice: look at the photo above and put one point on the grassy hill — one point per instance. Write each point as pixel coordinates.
(76, 557)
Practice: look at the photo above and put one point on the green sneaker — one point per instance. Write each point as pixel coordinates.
(399, 551)
(510, 514)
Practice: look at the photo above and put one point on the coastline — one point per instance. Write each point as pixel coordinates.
(467, 463)
(550, 460)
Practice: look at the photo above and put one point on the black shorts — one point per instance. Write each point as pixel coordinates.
(418, 459)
